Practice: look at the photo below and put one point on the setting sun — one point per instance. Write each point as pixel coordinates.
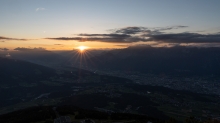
(82, 48)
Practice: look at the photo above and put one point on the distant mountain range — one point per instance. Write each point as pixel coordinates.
(177, 61)
(13, 71)
(43, 57)
(49, 58)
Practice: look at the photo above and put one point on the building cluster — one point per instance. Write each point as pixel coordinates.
(203, 85)
(63, 119)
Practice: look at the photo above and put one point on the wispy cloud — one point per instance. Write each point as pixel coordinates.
(30, 49)
(8, 38)
(58, 44)
(40, 9)
(121, 45)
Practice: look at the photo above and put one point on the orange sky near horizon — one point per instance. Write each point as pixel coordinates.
(59, 45)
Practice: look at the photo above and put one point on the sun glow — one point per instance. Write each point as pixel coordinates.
(82, 48)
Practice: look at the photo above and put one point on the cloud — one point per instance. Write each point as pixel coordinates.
(102, 39)
(136, 30)
(129, 30)
(30, 49)
(107, 35)
(58, 44)
(121, 45)
(40, 9)
(145, 34)
(112, 38)
(168, 28)
(185, 38)
(7, 38)
(4, 49)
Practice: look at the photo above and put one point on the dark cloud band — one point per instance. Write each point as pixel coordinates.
(7, 38)
(30, 49)
(144, 34)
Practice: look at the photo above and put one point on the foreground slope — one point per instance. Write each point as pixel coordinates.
(34, 85)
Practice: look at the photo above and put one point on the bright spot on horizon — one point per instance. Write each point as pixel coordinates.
(82, 48)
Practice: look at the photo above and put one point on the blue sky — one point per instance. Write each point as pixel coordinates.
(39, 19)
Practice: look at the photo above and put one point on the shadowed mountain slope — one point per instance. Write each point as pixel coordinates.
(174, 61)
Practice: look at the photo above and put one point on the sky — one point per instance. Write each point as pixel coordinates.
(67, 24)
